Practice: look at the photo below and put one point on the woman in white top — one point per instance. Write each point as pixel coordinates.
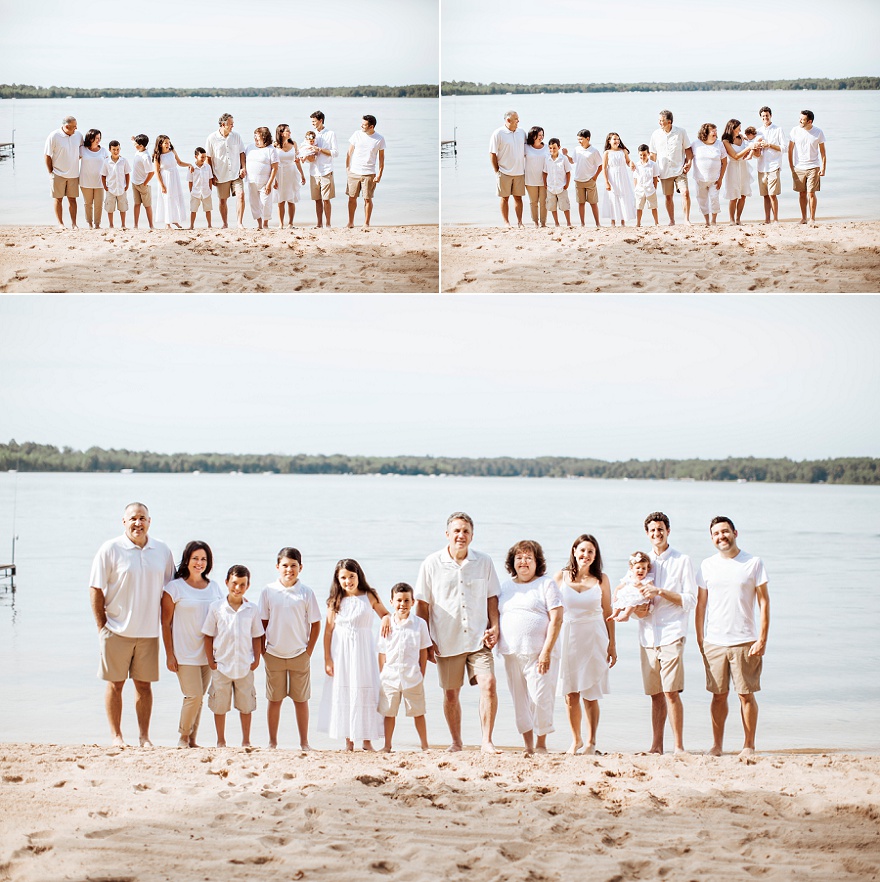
(290, 174)
(588, 645)
(710, 163)
(91, 161)
(262, 169)
(530, 619)
(536, 152)
(737, 184)
(185, 605)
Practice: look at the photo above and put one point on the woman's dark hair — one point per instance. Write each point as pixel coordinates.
(595, 566)
(704, 131)
(336, 589)
(265, 135)
(532, 547)
(191, 547)
(729, 129)
(278, 130)
(91, 134)
(533, 133)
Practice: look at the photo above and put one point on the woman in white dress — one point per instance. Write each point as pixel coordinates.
(619, 197)
(588, 644)
(91, 161)
(737, 184)
(536, 152)
(710, 164)
(172, 209)
(530, 619)
(290, 174)
(185, 605)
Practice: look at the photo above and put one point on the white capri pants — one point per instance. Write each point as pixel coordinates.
(261, 204)
(533, 693)
(707, 197)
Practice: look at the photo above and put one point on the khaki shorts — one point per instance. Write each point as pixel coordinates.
(288, 677)
(356, 183)
(118, 202)
(451, 668)
(142, 194)
(643, 202)
(663, 667)
(807, 179)
(558, 201)
(586, 191)
(670, 185)
(322, 187)
(128, 657)
(62, 187)
(724, 663)
(222, 690)
(510, 185)
(413, 700)
(769, 183)
(235, 187)
(205, 203)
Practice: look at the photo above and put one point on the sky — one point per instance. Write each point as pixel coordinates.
(606, 377)
(587, 41)
(222, 43)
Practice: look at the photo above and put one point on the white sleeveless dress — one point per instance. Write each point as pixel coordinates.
(736, 181)
(288, 176)
(618, 203)
(584, 666)
(172, 207)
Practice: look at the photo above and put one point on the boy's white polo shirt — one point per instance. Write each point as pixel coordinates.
(291, 612)
(233, 632)
(586, 162)
(667, 621)
(132, 580)
(731, 585)
(141, 166)
(115, 173)
(401, 649)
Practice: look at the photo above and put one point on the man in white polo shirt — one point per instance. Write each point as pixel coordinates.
(731, 583)
(321, 183)
(663, 629)
(457, 595)
(365, 165)
(806, 159)
(670, 148)
(128, 576)
(62, 160)
(225, 150)
(770, 164)
(507, 149)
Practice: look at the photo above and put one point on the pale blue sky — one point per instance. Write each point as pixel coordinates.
(609, 377)
(219, 43)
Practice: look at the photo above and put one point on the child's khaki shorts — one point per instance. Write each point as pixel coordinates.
(558, 201)
(413, 700)
(115, 203)
(223, 689)
(142, 194)
(586, 191)
(195, 203)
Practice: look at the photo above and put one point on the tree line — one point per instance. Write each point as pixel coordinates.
(32, 457)
(458, 87)
(418, 90)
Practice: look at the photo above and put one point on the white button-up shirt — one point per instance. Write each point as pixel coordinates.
(290, 612)
(115, 173)
(233, 632)
(670, 149)
(401, 649)
(667, 621)
(201, 181)
(64, 150)
(225, 155)
(458, 598)
(323, 164)
(770, 160)
(557, 170)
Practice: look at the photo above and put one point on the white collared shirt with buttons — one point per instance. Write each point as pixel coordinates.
(401, 649)
(115, 173)
(667, 621)
(225, 153)
(323, 164)
(458, 597)
(233, 632)
(290, 612)
(670, 149)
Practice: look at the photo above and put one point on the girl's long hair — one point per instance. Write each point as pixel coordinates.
(595, 567)
(608, 141)
(336, 590)
(157, 146)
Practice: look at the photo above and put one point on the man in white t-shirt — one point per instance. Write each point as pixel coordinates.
(323, 187)
(128, 576)
(671, 150)
(770, 164)
(806, 159)
(587, 165)
(62, 161)
(225, 150)
(507, 153)
(457, 595)
(662, 631)
(365, 164)
(731, 583)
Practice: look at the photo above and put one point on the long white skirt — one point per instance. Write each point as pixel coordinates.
(171, 207)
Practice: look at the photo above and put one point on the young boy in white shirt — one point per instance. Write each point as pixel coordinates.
(142, 171)
(587, 166)
(557, 177)
(200, 178)
(403, 655)
(233, 644)
(292, 621)
(115, 177)
(646, 174)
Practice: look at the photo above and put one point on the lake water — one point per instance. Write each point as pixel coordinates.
(820, 545)
(406, 195)
(850, 121)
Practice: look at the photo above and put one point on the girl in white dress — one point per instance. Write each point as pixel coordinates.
(628, 597)
(737, 184)
(290, 174)
(172, 209)
(262, 169)
(619, 198)
(91, 161)
(351, 660)
(588, 645)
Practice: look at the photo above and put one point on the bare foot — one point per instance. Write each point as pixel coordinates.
(183, 742)
(541, 750)
(715, 751)
(746, 752)
(529, 751)
(349, 745)
(656, 750)
(192, 743)
(368, 746)
(245, 744)
(386, 749)
(144, 741)
(680, 751)
(221, 743)
(455, 747)
(489, 747)
(576, 747)
(425, 747)
(118, 741)
(590, 749)
(273, 745)
(305, 748)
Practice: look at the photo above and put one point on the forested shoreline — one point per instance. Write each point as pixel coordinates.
(32, 457)
(418, 90)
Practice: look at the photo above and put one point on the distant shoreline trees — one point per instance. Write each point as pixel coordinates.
(32, 457)
(418, 90)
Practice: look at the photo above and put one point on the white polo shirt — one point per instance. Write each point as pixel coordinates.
(401, 649)
(323, 164)
(115, 173)
(365, 158)
(132, 580)
(290, 612)
(509, 148)
(670, 149)
(586, 162)
(191, 607)
(141, 166)
(225, 155)
(64, 150)
(667, 621)
(806, 147)
(233, 632)
(458, 596)
(771, 160)
(731, 589)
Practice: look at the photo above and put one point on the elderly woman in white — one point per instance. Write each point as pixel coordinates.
(530, 617)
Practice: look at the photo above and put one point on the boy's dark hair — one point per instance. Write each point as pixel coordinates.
(765, 107)
(657, 516)
(369, 119)
(644, 147)
(402, 588)
(290, 552)
(238, 570)
(142, 140)
(199, 150)
(751, 130)
(317, 115)
(721, 519)
(114, 144)
(808, 114)
(584, 133)
(554, 141)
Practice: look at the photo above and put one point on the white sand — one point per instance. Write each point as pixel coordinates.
(93, 813)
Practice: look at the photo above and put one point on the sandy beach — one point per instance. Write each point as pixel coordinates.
(97, 813)
(382, 259)
(785, 257)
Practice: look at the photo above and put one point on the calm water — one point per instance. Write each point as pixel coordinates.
(820, 545)
(850, 121)
(407, 194)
